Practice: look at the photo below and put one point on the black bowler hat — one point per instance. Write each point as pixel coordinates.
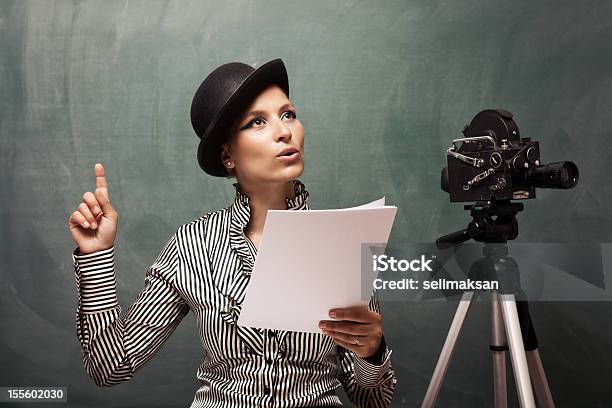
(224, 94)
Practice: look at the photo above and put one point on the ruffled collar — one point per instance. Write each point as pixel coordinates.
(300, 197)
(235, 292)
(241, 212)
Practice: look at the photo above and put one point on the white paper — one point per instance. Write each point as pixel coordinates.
(308, 262)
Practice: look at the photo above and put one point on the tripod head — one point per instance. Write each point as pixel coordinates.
(492, 221)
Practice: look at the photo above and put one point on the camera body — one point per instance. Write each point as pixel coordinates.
(493, 162)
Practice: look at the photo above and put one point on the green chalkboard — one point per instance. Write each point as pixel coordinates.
(381, 88)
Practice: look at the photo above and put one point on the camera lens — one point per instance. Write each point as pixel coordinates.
(561, 175)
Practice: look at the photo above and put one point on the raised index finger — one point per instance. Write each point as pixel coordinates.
(100, 175)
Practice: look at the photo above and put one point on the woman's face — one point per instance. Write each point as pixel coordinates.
(261, 137)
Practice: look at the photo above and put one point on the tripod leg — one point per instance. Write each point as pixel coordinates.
(498, 347)
(538, 378)
(517, 351)
(447, 351)
(536, 369)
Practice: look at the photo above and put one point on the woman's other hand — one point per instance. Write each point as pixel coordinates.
(356, 328)
(94, 224)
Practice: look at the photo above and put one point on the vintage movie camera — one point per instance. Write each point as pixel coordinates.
(493, 162)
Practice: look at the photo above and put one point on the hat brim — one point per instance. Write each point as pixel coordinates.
(209, 149)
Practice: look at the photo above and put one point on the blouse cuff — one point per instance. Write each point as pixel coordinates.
(95, 279)
(371, 375)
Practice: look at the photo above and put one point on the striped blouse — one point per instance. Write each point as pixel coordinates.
(205, 267)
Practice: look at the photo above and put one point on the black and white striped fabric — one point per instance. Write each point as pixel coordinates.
(204, 268)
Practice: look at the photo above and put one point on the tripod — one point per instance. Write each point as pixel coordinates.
(494, 223)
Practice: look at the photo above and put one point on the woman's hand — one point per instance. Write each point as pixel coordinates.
(94, 224)
(358, 329)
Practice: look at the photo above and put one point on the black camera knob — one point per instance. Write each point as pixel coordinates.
(532, 155)
(519, 163)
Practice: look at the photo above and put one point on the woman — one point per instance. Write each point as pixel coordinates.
(249, 130)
